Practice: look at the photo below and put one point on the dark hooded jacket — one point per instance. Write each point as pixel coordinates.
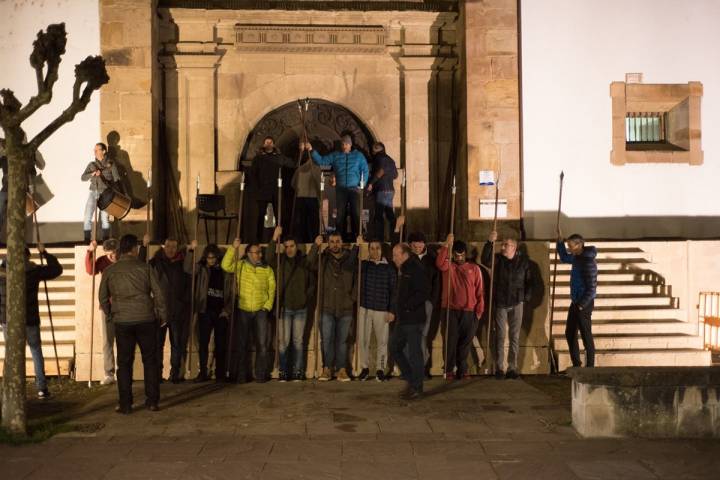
(174, 283)
(263, 173)
(202, 283)
(583, 275)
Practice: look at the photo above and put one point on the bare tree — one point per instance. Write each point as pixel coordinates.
(90, 75)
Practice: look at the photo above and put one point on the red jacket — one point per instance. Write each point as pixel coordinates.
(467, 284)
(101, 263)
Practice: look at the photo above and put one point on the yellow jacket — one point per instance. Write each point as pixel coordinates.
(256, 284)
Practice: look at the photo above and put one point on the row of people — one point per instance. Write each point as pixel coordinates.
(255, 281)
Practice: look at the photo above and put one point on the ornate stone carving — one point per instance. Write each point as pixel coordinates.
(310, 38)
(326, 122)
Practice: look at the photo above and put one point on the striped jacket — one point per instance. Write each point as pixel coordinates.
(256, 284)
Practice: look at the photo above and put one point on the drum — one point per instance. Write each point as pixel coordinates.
(114, 203)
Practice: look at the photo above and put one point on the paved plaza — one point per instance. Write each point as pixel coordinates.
(475, 429)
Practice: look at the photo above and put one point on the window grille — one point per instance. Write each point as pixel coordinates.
(645, 127)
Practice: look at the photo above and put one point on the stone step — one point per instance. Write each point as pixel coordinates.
(50, 366)
(640, 327)
(610, 264)
(615, 253)
(634, 342)
(626, 313)
(629, 300)
(619, 288)
(650, 357)
(639, 275)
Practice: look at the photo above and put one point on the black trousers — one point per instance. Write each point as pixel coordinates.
(580, 320)
(127, 337)
(461, 330)
(207, 323)
(307, 219)
(259, 324)
(411, 363)
(381, 213)
(343, 197)
(179, 331)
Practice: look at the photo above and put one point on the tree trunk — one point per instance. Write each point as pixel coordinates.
(13, 394)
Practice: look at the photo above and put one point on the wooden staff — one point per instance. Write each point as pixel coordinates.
(93, 238)
(278, 322)
(402, 205)
(188, 363)
(147, 215)
(236, 258)
(490, 362)
(449, 282)
(42, 262)
(359, 269)
(302, 108)
(318, 304)
(553, 364)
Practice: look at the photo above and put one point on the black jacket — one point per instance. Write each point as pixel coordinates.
(263, 174)
(174, 283)
(411, 292)
(433, 274)
(34, 274)
(512, 280)
(385, 183)
(202, 283)
(378, 283)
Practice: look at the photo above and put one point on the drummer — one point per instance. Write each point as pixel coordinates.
(102, 173)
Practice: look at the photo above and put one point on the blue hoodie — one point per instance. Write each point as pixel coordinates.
(583, 275)
(347, 167)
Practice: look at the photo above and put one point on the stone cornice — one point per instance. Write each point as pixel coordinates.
(178, 61)
(360, 5)
(310, 38)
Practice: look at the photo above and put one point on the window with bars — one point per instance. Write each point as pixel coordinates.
(645, 127)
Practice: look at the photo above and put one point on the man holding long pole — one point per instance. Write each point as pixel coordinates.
(224, 376)
(464, 302)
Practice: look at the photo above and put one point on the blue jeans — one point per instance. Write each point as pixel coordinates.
(293, 326)
(335, 331)
(90, 207)
(33, 341)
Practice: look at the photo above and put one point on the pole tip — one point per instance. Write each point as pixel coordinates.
(562, 174)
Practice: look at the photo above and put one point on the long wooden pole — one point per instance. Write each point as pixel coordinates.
(402, 205)
(490, 361)
(359, 271)
(147, 214)
(318, 303)
(42, 262)
(278, 286)
(236, 258)
(191, 337)
(93, 238)
(553, 364)
(449, 282)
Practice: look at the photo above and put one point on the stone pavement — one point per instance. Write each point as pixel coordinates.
(476, 429)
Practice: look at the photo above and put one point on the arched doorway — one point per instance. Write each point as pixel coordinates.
(326, 123)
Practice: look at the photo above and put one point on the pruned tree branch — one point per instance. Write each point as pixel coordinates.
(48, 49)
(92, 73)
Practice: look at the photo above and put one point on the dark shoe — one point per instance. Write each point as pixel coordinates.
(511, 375)
(364, 374)
(261, 380)
(283, 377)
(105, 234)
(201, 378)
(123, 410)
(427, 374)
(153, 407)
(414, 394)
(87, 236)
(499, 374)
(298, 377)
(380, 376)
(43, 394)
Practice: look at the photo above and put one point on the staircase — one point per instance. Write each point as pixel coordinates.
(62, 298)
(636, 320)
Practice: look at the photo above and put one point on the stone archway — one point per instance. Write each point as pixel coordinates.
(326, 122)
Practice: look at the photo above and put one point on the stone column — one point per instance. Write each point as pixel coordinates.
(418, 126)
(190, 114)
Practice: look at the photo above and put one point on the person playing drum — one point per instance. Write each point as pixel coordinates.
(102, 174)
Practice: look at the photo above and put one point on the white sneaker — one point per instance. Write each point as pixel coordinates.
(109, 380)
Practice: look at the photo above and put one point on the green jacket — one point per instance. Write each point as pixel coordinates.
(297, 285)
(256, 283)
(130, 293)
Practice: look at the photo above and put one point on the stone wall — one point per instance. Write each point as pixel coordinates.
(646, 402)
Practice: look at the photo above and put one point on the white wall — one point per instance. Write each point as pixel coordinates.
(70, 148)
(571, 51)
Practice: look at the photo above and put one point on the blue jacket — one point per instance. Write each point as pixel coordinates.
(347, 167)
(378, 283)
(583, 275)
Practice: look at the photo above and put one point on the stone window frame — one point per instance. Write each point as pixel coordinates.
(641, 97)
